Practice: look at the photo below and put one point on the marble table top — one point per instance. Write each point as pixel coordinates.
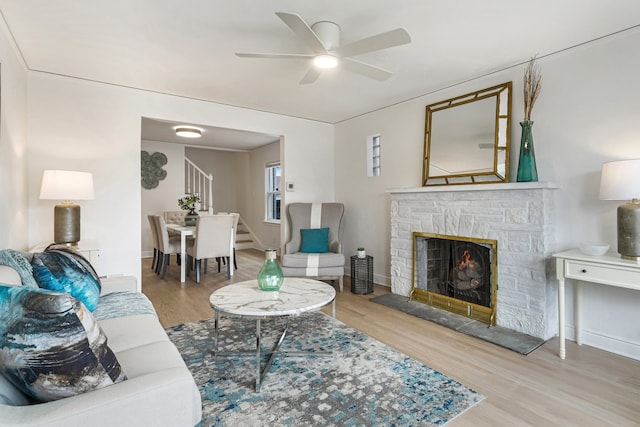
(296, 296)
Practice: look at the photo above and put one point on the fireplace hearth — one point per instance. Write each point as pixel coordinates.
(457, 274)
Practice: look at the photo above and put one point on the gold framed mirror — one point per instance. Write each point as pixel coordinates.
(467, 138)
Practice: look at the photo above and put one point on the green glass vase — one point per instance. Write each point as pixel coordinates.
(527, 171)
(190, 218)
(270, 277)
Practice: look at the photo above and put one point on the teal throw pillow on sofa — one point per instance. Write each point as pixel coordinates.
(314, 240)
(51, 346)
(62, 269)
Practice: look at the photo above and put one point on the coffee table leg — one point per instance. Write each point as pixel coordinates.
(215, 328)
(258, 373)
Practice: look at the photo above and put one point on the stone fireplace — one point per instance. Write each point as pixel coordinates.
(518, 217)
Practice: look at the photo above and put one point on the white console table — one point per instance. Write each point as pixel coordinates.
(87, 249)
(608, 269)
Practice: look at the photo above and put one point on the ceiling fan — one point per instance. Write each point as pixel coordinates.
(323, 38)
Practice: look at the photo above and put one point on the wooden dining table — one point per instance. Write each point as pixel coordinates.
(184, 231)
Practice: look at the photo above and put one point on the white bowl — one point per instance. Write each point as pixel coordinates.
(594, 248)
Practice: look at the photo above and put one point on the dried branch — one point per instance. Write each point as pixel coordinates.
(532, 85)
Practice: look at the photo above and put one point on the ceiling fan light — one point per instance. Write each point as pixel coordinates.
(325, 61)
(186, 132)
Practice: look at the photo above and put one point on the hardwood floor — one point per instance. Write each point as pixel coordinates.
(590, 387)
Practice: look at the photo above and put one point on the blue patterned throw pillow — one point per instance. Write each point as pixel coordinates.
(60, 268)
(51, 346)
(314, 240)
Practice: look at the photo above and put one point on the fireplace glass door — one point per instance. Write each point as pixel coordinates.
(455, 273)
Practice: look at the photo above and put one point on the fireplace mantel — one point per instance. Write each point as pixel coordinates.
(477, 187)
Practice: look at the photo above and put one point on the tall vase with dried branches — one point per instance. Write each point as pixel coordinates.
(527, 171)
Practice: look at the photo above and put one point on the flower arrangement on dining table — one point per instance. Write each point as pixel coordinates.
(188, 203)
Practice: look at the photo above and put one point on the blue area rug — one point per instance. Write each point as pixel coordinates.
(363, 383)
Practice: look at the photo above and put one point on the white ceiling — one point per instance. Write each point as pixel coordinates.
(220, 138)
(186, 48)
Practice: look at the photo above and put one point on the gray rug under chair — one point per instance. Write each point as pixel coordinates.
(363, 383)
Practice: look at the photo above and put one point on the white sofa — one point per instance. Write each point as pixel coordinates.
(159, 390)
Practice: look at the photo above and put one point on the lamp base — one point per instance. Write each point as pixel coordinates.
(66, 224)
(629, 230)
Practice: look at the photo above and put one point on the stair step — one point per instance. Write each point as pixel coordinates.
(244, 245)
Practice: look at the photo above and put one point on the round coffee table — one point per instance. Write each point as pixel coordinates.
(247, 300)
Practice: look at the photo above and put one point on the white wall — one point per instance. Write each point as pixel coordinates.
(165, 196)
(587, 114)
(268, 233)
(95, 127)
(13, 147)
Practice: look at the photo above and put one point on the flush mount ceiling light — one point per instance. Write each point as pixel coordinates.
(325, 61)
(186, 132)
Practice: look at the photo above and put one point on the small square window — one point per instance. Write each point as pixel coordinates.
(373, 155)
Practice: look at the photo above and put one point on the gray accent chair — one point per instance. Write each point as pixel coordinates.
(321, 266)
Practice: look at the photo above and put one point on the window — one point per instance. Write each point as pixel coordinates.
(373, 155)
(272, 184)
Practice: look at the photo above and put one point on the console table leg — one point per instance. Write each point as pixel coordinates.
(561, 317)
(577, 307)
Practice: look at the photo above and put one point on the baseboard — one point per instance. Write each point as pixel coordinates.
(378, 279)
(611, 344)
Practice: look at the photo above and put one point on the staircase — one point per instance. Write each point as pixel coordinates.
(199, 182)
(244, 237)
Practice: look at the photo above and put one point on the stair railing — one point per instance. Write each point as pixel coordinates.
(199, 182)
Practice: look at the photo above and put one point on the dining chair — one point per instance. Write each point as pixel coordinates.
(168, 245)
(213, 239)
(236, 221)
(174, 217)
(154, 237)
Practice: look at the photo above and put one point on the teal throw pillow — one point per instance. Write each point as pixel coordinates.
(62, 269)
(51, 346)
(314, 240)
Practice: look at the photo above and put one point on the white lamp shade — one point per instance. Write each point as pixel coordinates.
(620, 180)
(66, 185)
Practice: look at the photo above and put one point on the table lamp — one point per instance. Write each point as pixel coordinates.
(620, 180)
(66, 186)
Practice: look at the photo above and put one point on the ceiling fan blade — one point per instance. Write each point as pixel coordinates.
(273, 55)
(311, 76)
(392, 38)
(366, 70)
(303, 30)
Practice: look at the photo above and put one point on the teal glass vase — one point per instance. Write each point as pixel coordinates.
(270, 277)
(527, 171)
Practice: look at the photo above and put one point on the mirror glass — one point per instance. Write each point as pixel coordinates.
(467, 138)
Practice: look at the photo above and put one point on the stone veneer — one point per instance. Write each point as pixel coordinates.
(519, 216)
